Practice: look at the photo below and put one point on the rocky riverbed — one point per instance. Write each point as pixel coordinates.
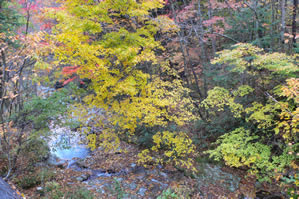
(117, 175)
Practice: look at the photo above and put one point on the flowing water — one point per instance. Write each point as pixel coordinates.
(67, 148)
(65, 145)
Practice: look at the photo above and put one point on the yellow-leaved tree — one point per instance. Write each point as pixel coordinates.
(112, 42)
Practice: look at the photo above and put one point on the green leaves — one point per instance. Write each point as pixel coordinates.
(220, 98)
(242, 148)
(246, 57)
(243, 90)
(41, 111)
(267, 108)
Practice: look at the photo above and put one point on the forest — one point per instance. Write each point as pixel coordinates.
(166, 99)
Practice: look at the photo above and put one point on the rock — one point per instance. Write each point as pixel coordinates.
(129, 196)
(153, 172)
(53, 160)
(139, 170)
(81, 164)
(142, 191)
(164, 186)
(107, 187)
(40, 190)
(119, 179)
(155, 188)
(95, 182)
(110, 171)
(133, 165)
(101, 190)
(62, 165)
(83, 177)
(164, 175)
(6, 192)
(141, 177)
(132, 186)
(212, 174)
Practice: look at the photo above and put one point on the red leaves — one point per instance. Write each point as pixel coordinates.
(29, 5)
(47, 26)
(188, 11)
(213, 21)
(70, 70)
(69, 80)
(44, 43)
(231, 4)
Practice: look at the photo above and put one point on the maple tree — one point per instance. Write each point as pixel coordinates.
(114, 46)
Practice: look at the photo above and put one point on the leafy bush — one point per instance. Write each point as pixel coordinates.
(263, 140)
(240, 148)
(174, 147)
(29, 181)
(118, 190)
(40, 111)
(54, 191)
(80, 193)
(35, 150)
(168, 194)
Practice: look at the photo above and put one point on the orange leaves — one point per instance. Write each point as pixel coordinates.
(292, 90)
(69, 80)
(70, 70)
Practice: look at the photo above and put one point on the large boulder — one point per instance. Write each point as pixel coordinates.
(6, 192)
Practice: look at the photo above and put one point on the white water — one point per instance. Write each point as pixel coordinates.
(65, 145)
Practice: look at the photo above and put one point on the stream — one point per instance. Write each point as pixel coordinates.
(68, 151)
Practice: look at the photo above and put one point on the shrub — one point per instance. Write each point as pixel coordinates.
(81, 193)
(29, 181)
(53, 191)
(168, 194)
(36, 150)
(174, 147)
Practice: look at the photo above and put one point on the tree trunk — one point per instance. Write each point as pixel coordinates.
(201, 33)
(283, 24)
(272, 27)
(257, 25)
(182, 46)
(295, 4)
(210, 13)
(203, 55)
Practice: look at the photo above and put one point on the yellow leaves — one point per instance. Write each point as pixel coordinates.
(219, 98)
(287, 126)
(109, 140)
(292, 89)
(92, 141)
(247, 55)
(115, 61)
(177, 147)
(144, 158)
(166, 24)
